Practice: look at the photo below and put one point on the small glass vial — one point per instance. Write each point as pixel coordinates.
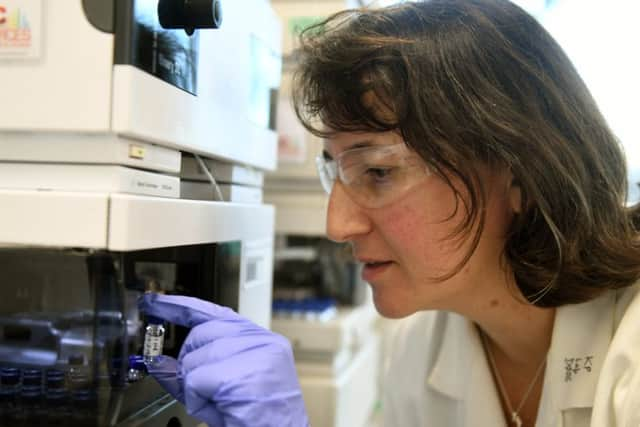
(55, 379)
(153, 339)
(84, 408)
(32, 378)
(10, 388)
(57, 407)
(56, 399)
(32, 405)
(10, 379)
(136, 368)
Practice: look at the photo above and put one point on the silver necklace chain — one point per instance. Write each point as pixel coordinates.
(515, 415)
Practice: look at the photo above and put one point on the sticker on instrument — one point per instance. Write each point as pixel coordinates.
(20, 29)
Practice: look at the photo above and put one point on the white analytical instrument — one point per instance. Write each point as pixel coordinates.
(117, 116)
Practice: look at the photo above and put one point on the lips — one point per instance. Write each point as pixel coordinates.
(369, 259)
(375, 263)
(374, 269)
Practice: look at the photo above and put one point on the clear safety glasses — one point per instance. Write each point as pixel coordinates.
(373, 176)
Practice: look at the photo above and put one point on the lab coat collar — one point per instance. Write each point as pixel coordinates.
(580, 340)
(462, 373)
(581, 337)
(460, 349)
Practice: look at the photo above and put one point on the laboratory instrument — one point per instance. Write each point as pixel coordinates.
(102, 99)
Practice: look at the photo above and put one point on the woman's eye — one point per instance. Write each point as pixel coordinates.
(379, 174)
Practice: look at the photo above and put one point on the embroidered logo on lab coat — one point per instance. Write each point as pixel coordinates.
(574, 365)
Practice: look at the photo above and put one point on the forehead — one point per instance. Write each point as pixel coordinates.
(343, 141)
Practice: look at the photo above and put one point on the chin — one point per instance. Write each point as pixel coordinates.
(391, 309)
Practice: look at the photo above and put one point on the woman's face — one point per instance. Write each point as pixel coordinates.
(406, 245)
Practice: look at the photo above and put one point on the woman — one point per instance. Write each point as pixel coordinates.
(474, 177)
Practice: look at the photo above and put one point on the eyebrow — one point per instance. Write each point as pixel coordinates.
(359, 144)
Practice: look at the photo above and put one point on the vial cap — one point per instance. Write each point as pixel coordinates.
(54, 373)
(134, 360)
(154, 320)
(55, 382)
(9, 371)
(31, 392)
(32, 376)
(9, 376)
(139, 365)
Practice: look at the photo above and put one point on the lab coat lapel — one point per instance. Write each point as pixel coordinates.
(461, 372)
(579, 344)
(580, 340)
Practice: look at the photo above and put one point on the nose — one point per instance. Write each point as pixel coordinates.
(345, 219)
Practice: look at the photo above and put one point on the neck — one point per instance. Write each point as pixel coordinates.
(523, 339)
(519, 332)
(518, 336)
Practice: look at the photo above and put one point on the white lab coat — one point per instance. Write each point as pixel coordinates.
(438, 375)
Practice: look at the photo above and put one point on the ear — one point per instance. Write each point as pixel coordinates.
(515, 196)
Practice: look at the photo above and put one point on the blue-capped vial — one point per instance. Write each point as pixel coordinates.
(56, 397)
(9, 377)
(31, 402)
(83, 407)
(55, 379)
(296, 310)
(9, 382)
(57, 407)
(153, 339)
(31, 395)
(136, 368)
(32, 377)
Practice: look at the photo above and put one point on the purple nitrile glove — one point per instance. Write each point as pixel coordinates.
(230, 371)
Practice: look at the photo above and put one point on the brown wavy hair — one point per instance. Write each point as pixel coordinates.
(472, 81)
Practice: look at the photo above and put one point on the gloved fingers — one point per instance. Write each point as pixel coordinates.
(185, 311)
(165, 370)
(200, 351)
(229, 336)
(215, 393)
(209, 414)
(246, 375)
(201, 385)
(242, 397)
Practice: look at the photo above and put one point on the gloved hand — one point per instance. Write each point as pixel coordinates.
(230, 371)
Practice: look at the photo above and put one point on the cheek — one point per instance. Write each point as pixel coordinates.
(420, 226)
